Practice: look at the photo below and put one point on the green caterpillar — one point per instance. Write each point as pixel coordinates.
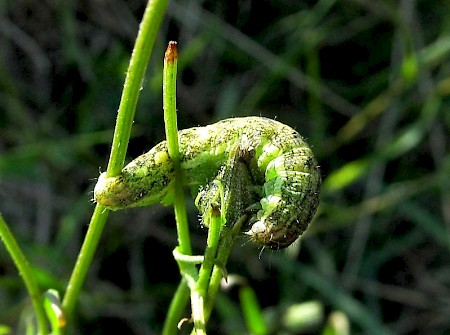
(282, 167)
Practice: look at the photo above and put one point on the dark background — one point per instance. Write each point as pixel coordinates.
(366, 82)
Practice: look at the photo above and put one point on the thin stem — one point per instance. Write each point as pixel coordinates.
(170, 101)
(176, 309)
(151, 21)
(223, 253)
(199, 294)
(198, 312)
(189, 272)
(27, 275)
(84, 259)
(170, 121)
(215, 226)
(181, 296)
(145, 40)
(228, 236)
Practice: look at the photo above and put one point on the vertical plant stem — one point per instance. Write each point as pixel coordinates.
(176, 309)
(181, 296)
(170, 101)
(199, 294)
(228, 236)
(198, 313)
(149, 26)
(188, 269)
(27, 275)
(145, 40)
(215, 226)
(170, 121)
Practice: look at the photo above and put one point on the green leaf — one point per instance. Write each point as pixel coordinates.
(252, 311)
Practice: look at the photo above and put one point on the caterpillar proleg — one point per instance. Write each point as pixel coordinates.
(281, 164)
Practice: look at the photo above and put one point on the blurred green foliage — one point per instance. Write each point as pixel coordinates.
(366, 82)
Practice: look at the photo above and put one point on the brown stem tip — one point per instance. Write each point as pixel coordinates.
(171, 54)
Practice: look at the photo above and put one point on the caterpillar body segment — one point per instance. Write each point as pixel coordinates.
(281, 165)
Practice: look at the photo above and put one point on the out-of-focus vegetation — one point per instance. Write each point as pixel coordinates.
(366, 82)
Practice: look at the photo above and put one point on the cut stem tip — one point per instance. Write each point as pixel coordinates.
(171, 54)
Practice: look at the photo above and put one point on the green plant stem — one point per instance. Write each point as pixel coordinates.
(198, 312)
(84, 259)
(223, 253)
(199, 294)
(170, 101)
(27, 275)
(145, 40)
(170, 121)
(227, 238)
(176, 309)
(189, 272)
(149, 26)
(181, 296)
(215, 226)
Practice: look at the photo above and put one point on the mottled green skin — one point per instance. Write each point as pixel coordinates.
(279, 160)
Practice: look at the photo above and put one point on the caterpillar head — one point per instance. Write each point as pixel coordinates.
(273, 234)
